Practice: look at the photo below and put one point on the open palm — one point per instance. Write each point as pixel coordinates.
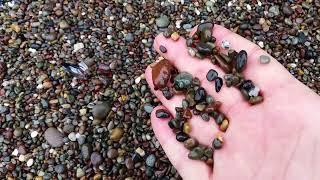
(277, 139)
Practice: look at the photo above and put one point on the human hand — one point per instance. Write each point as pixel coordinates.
(276, 139)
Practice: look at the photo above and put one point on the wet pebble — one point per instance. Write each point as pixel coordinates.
(96, 159)
(218, 84)
(186, 128)
(200, 95)
(163, 49)
(212, 75)
(183, 81)
(190, 143)
(196, 153)
(162, 113)
(181, 136)
(150, 161)
(101, 110)
(112, 153)
(217, 142)
(116, 134)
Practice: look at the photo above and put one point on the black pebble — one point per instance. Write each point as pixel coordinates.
(218, 84)
(167, 93)
(241, 61)
(163, 49)
(212, 75)
(217, 144)
(181, 136)
(247, 85)
(162, 114)
(219, 119)
(200, 95)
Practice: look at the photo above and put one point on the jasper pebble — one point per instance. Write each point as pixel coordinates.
(175, 36)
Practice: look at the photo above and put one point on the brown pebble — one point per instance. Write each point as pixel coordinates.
(175, 36)
(116, 134)
(161, 73)
(186, 128)
(163, 49)
(190, 143)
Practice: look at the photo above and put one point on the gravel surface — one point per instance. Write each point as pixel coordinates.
(73, 98)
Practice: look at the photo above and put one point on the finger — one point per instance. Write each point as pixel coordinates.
(203, 131)
(177, 54)
(267, 76)
(176, 152)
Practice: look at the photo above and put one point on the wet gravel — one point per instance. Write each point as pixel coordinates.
(51, 121)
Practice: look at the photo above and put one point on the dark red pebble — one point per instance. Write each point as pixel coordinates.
(162, 114)
(163, 49)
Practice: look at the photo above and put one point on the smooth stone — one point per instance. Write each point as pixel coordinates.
(201, 107)
(175, 36)
(163, 49)
(181, 136)
(212, 75)
(129, 163)
(54, 137)
(205, 116)
(190, 143)
(204, 48)
(287, 10)
(190, 97)
(60, 168)
(264, 59)
(217, 143)
(151, 160)
(241, 61)
(148, 108)
(224, 125)
(222, 64)
(116, 134)
(63, 24)
(112, 153)
(101, 110)
(196, 153)
(254, 92)
(186, 128)
(247, 85)
(218, 84)
(162, 21)
(96, 159)
(162, 113)
(219, 119)
(183, 81)
(80, 173)
(17, 132)
(274, 10)
(161, 73)
(192, 52)
(200, 95)
(86, 150)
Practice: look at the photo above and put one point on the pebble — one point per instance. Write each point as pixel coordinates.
(72, 136)
(186, 128)
(150, 161)
(60, 168)
(162, 114)
(30, 162)
(217, 142)
(34, 134)
(148, 108)
(96, 159)
(140, 151)
(190, 143)
(264, 59)
(224, 125)
(80, 173)
(256, 100)
(129, 163)
(161, 73)
(274, 10)
(254, 92)
(63, 24)
(225, 44)
(77, 47)
(218, 84)
(112, 153)
(54, 137)
(116, 134)
(162, 21)
(175, 36)
(200, 95)
(183, 81)
(163, 49)
(181, 136)
(212, 75)
(86, 151)
(241, 61)
(101, 110)
(196, 153)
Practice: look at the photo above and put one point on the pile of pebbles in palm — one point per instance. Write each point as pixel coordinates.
(38, 37)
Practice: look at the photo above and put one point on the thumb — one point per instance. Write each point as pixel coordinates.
(176, 152)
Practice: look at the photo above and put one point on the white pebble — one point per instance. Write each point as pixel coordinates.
(77, 47)
(22, 158)
(197, 11)
(248, 7)
(29, 162)
(72, 136)
(254, 92)
(225, 44)
(178, 24)
(229, 3)
(261, 44)
(32, 51)
(137, 80)
(15, 152)
(140, 151)
(34, 134)
(292, 65)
